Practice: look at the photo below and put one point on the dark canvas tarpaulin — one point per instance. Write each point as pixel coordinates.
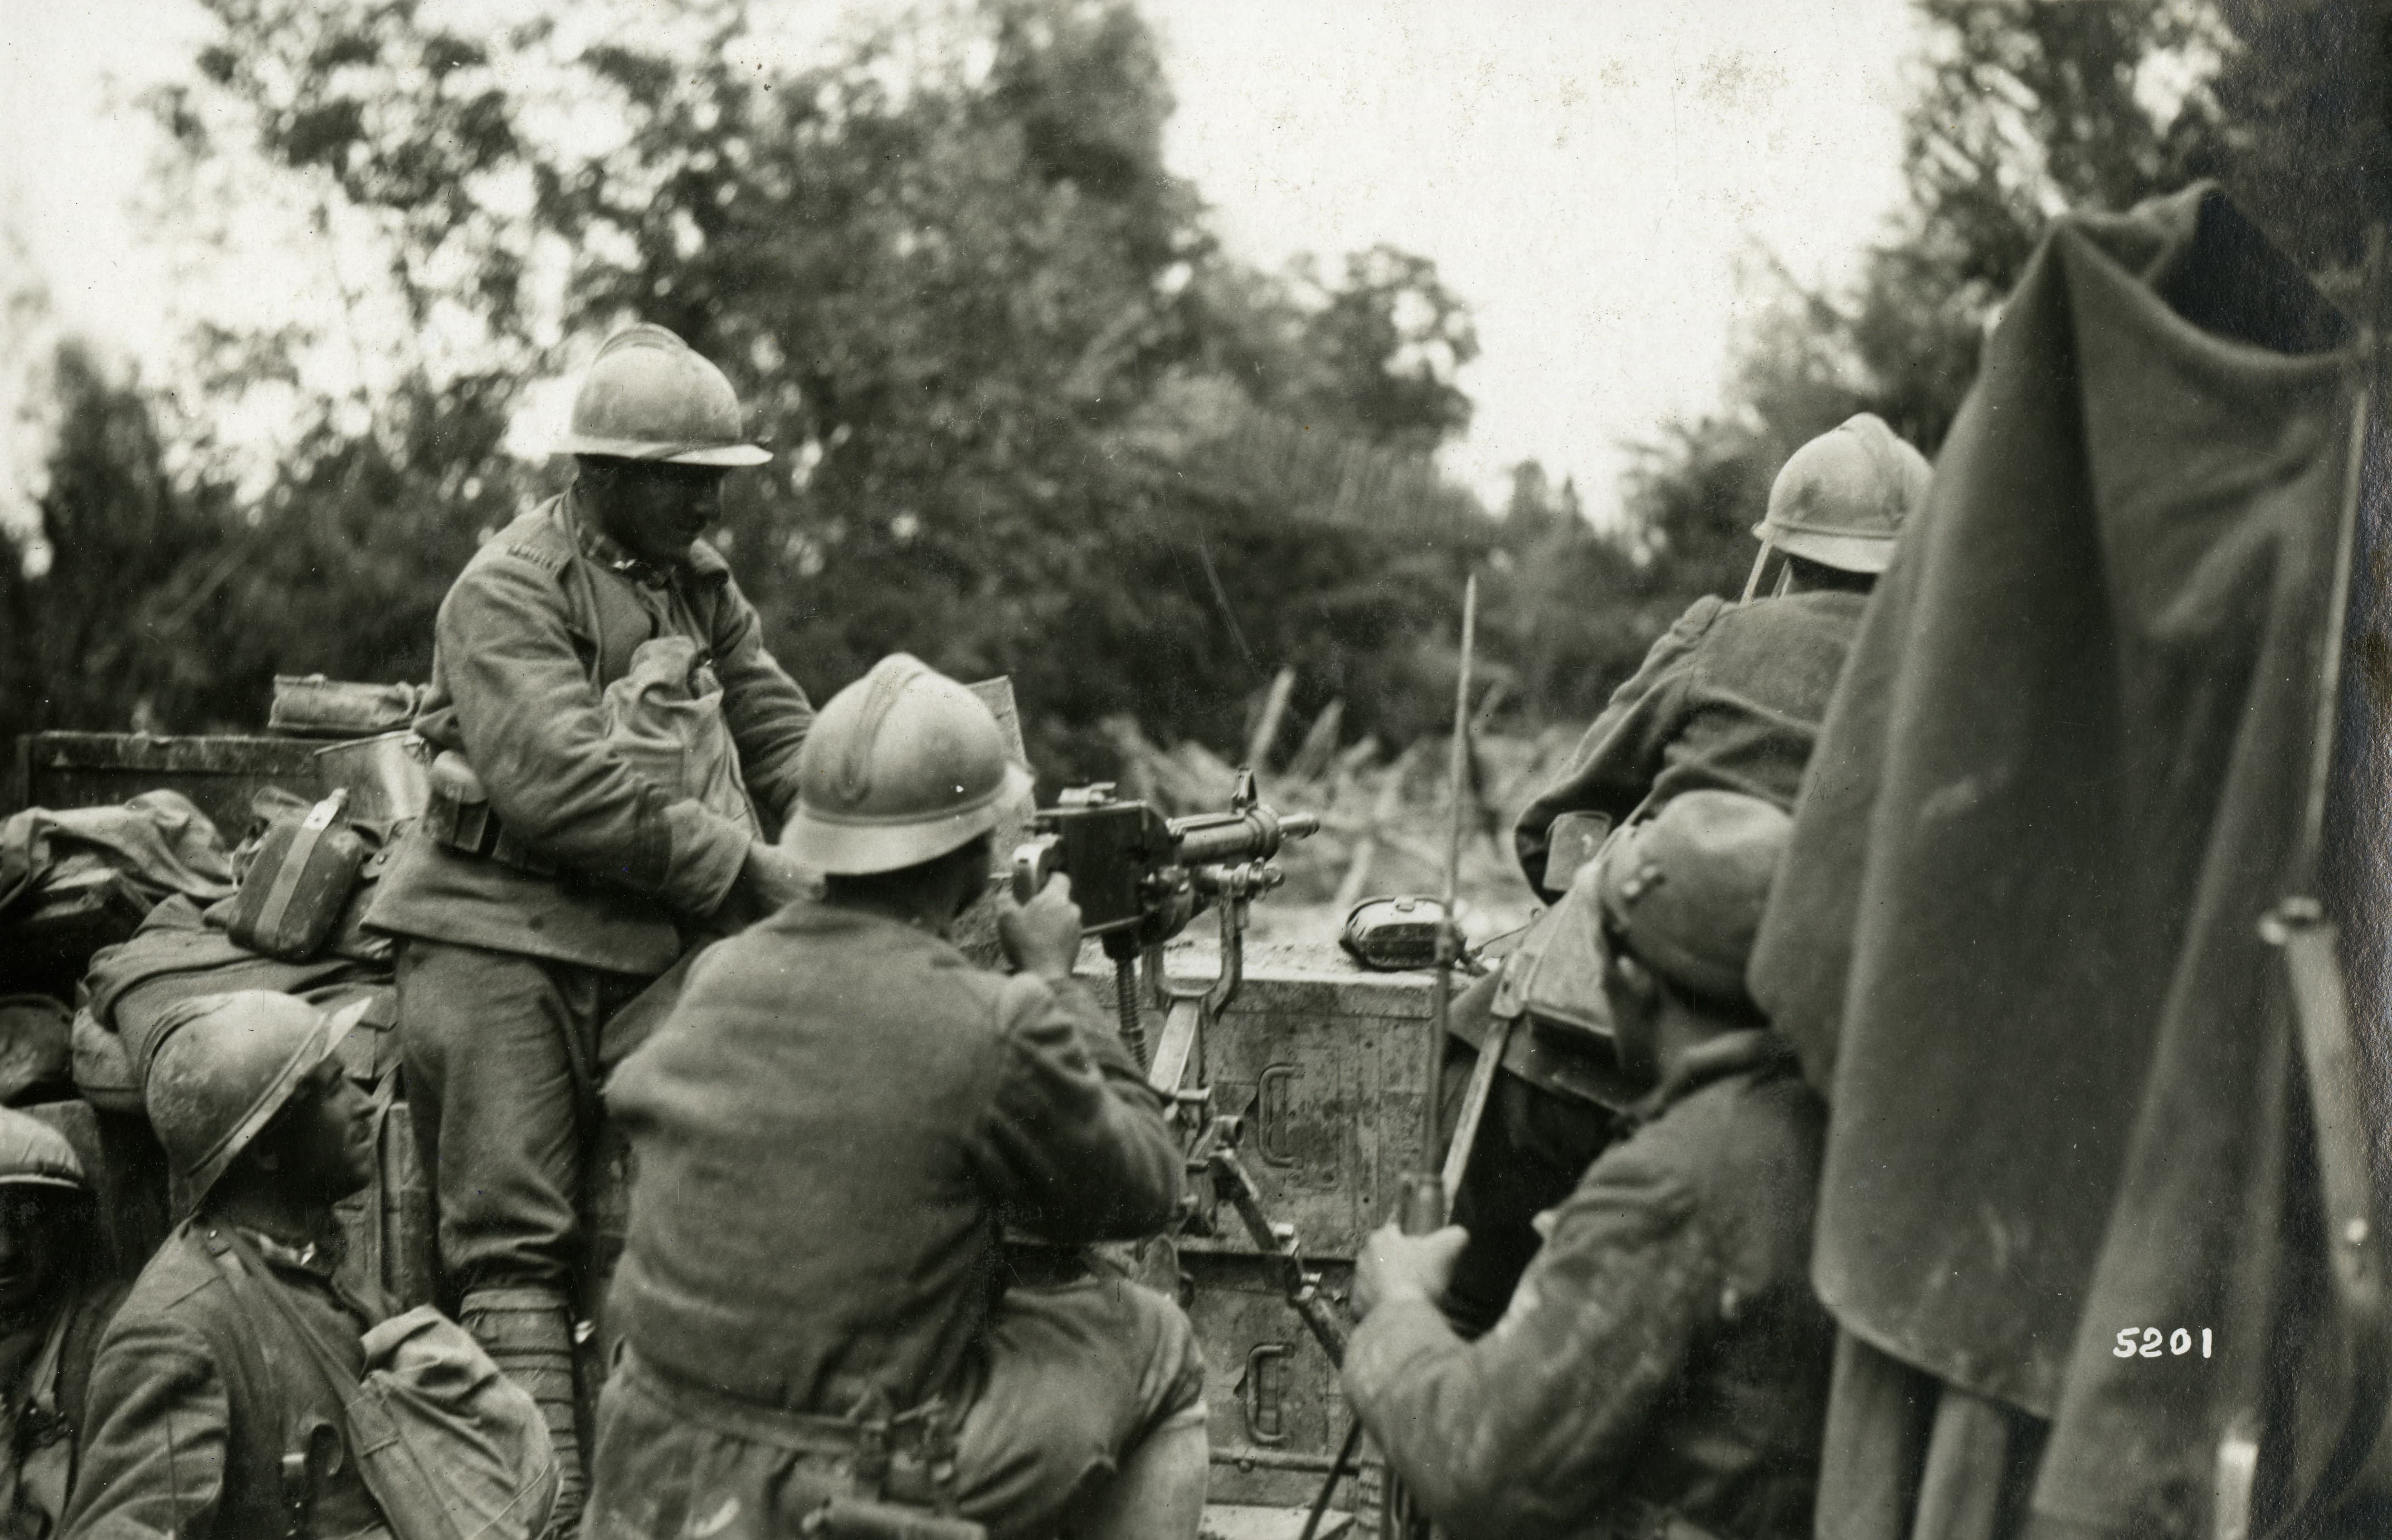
(2063, 779)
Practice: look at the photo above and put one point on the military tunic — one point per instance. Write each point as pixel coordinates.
(1663, 1357)
(830, 1131)
(542, 620)
(45, 1384)
(507, 976)
(1729, 699)
(197, 1395)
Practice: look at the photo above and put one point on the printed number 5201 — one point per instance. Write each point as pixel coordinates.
(2149, 1341)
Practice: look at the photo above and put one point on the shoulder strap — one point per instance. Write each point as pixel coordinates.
(246, 1270)
(545, 544)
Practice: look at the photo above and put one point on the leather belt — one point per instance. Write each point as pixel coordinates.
(455, 823)
(907, 1457)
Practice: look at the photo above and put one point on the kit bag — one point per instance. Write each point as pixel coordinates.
(1555, 974)
(310, 705)
(451, 1447)
(292, 896)
(665, 718)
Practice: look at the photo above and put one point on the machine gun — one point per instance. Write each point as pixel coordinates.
(1139, 878)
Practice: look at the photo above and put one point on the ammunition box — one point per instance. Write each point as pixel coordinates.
(1324, 1061)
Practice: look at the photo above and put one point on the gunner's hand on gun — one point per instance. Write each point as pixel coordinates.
(1043, 936)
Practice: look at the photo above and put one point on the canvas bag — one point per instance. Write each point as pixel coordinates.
(665, 718)
(310, 705)
(450, 1448)
(1555, 974)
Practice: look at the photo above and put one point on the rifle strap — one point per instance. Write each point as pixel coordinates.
(1474, 1097)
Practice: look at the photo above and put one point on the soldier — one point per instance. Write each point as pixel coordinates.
(1729, 698)
(1662, 1368)
(552, 880)
(829, 1134)
(54, 1301)
(209, 1420)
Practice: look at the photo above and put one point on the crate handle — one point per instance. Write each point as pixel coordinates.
(1259, 1395)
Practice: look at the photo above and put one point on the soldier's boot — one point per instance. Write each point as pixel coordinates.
(528, 1333)
(1158, 1494)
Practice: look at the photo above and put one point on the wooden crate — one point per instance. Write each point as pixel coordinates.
(218, 773)
(1325, 1062)
(1275, 1413)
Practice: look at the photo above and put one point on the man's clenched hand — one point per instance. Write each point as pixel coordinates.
(772, 877)
(1043, 936)
(1397, 1266)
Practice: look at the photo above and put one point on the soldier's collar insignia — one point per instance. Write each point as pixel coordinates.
(308, 1258)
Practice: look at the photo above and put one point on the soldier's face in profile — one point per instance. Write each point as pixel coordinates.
(320, 1144)
(653, 510)
(33, 1242)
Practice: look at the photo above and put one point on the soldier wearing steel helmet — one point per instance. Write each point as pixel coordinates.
(831, 1131)
(1732, 695)
(208, 1419)
(1662, 1368)
(54, 1299)
(1729, 699)
(552, 879)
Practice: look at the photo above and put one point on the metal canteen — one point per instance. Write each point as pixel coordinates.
(386, 776)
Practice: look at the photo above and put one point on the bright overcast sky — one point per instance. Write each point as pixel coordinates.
(1588, 175)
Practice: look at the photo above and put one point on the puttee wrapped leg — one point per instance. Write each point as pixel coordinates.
(528, 1333)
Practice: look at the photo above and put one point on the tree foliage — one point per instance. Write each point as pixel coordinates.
(2030, 107)
(1030, 418)
(955, 286)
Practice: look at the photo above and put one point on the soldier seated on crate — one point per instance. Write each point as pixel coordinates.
(54, 1298)
(830, 1132)
(556, 874)
(1729, 699)
(1662, 1367)
(207, 1420)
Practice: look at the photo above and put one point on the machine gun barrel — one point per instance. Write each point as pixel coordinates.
(1249, 834)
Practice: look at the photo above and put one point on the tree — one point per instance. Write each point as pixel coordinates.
(1567, 612)
(2030, 107)
(941, 260)
(2302, 127)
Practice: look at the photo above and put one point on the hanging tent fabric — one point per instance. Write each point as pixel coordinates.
(2017, 937)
